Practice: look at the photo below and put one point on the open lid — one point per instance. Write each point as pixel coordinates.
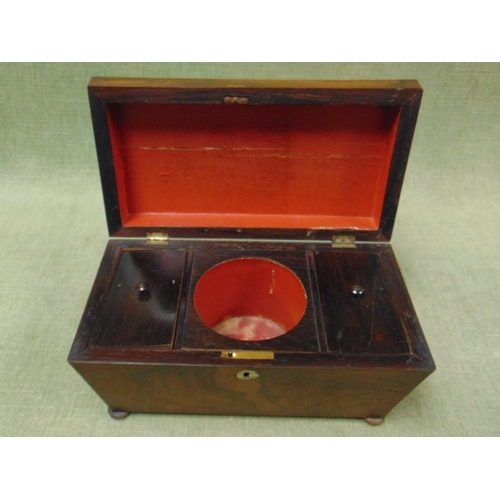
(253, 159)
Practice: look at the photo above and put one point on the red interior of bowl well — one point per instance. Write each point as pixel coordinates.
(251, 288)
(203, 165)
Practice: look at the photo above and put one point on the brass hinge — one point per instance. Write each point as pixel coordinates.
(344, 241)
(157, 238)
(235, 100)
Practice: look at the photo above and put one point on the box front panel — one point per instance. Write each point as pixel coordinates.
(276, 392)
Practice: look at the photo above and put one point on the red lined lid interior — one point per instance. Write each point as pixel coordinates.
(201, 165)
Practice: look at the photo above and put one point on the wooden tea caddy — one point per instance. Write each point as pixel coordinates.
(254, 199)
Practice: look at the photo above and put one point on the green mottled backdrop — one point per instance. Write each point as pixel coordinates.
(53, 233)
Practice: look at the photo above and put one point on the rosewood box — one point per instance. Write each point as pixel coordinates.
(249, 270)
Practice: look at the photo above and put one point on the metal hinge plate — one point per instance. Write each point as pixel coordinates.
(344, 241)
(247, 354)
(157, 238)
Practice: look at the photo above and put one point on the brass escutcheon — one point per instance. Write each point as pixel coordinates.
(247, 375)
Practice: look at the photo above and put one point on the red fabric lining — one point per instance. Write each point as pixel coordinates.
(252, 166)
(250, 287)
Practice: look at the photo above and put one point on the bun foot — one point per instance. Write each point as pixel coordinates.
(374, 421)
(118, 414)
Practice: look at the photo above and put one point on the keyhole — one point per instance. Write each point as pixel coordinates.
(247, 375)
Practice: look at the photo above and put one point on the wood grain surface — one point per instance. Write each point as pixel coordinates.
(348, 356)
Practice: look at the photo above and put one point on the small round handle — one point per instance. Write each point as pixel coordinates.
(144, 293)
(142, 287)
(357, 291)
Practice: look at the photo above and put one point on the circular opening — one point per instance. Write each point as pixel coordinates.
(250, 299)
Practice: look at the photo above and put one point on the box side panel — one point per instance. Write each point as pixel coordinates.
(403, 303)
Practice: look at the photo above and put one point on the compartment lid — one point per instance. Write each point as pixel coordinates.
(251, 158)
